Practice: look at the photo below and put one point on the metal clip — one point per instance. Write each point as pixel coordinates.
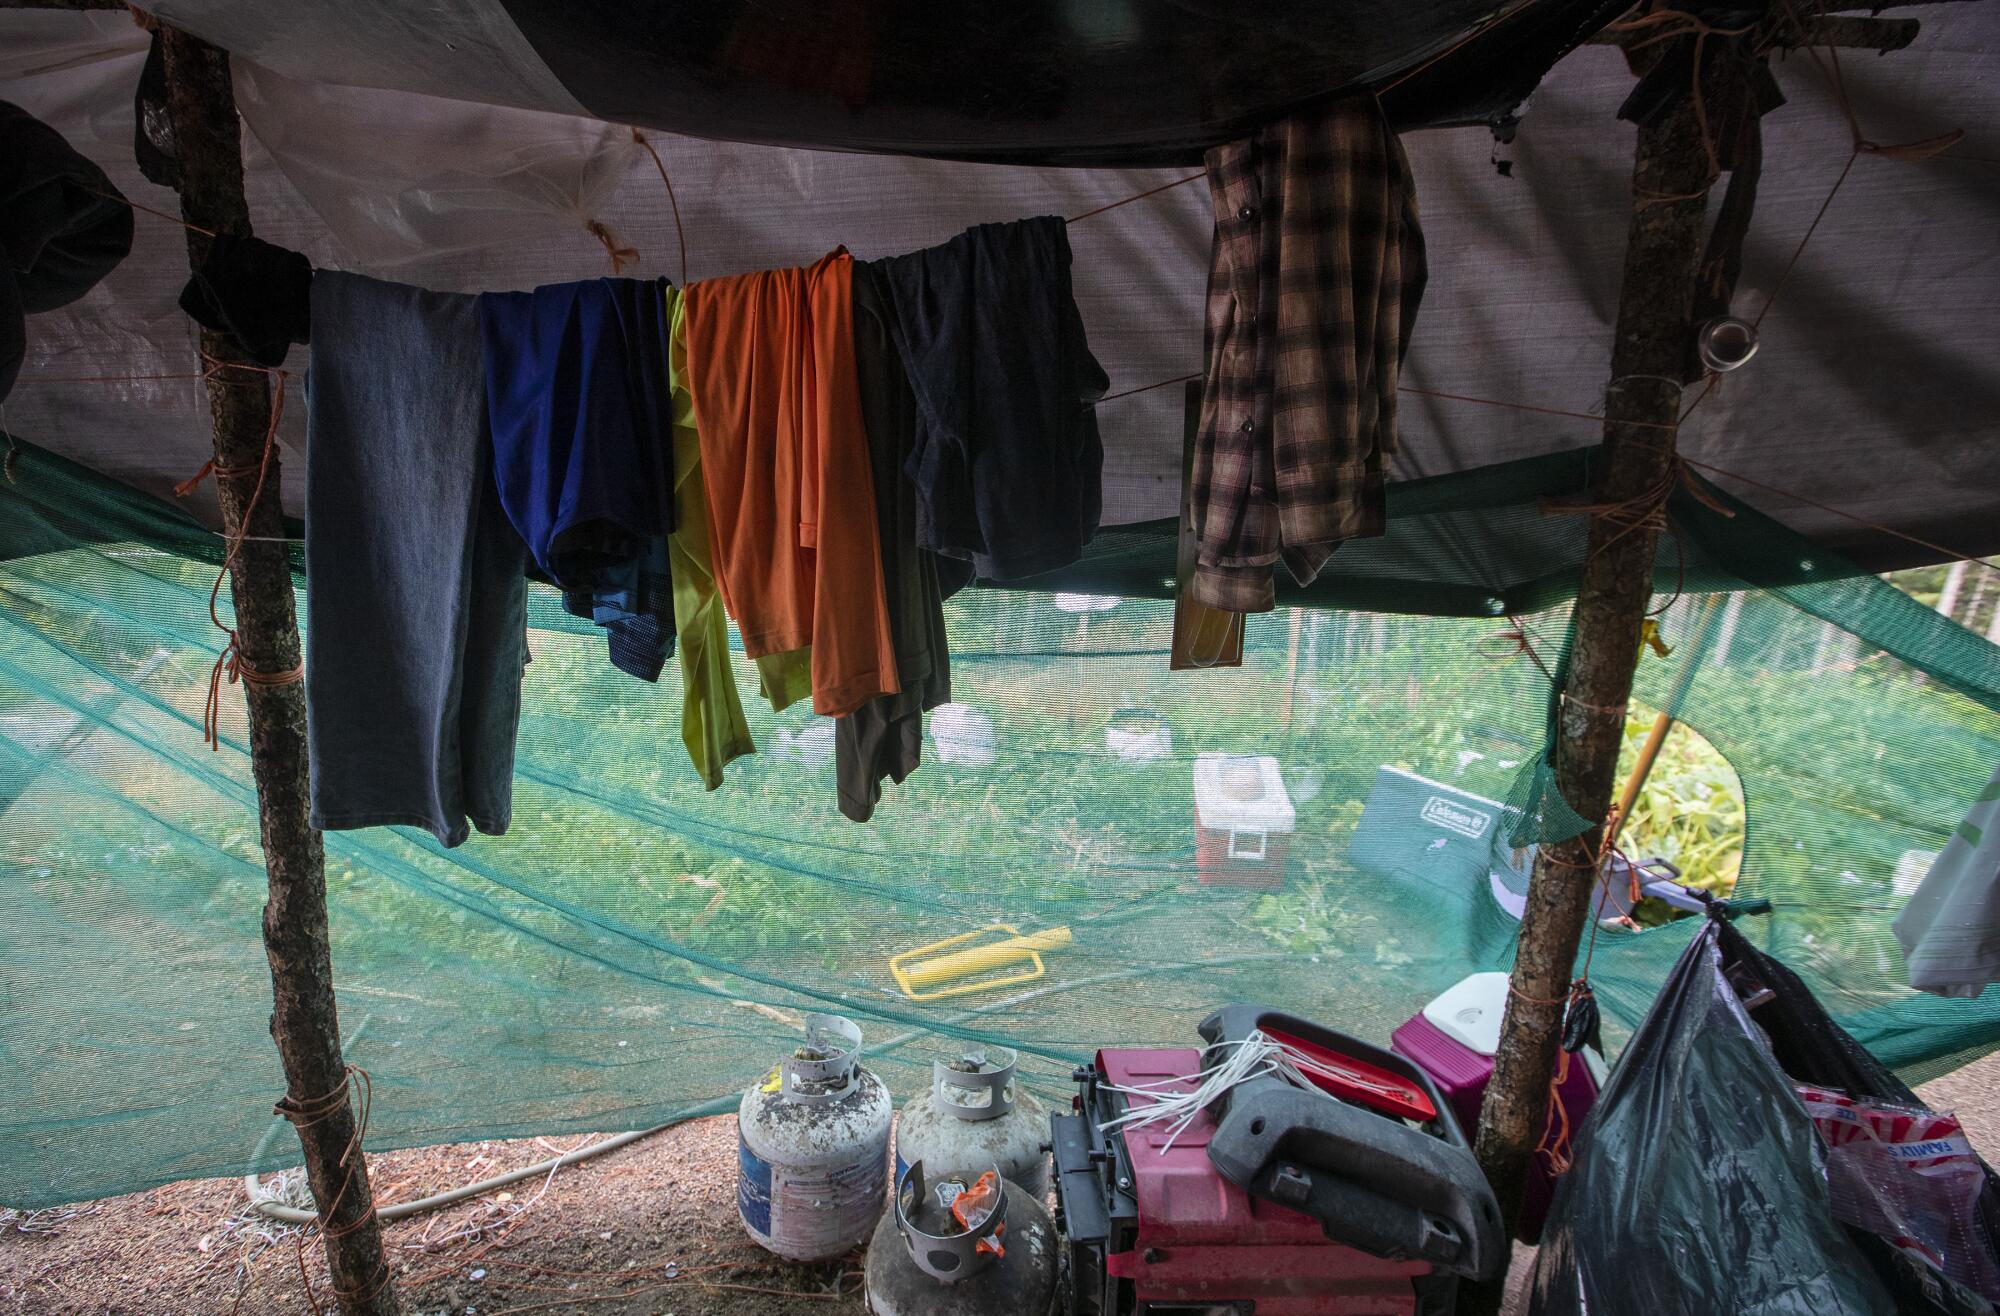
(985, 1092)
(947, 1257)
(813, 1082)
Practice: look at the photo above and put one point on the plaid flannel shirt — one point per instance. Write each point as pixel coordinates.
(1317, 271)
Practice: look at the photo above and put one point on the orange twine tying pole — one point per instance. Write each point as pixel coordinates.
(304, 1114)
(209, 468)
(1555, 1141)
(230, 664)
(1580, 986)
(1554, 1147)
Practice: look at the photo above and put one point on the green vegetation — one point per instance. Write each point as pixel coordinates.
(631, 918)
(1690, 809)
(616, 847)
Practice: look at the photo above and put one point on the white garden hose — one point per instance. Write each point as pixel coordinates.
(272, 1208)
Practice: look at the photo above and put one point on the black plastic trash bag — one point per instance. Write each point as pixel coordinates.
(1699, 1184)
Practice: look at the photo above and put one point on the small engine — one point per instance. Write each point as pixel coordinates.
(1358, 1196)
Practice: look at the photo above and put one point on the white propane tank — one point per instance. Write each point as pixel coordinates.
(925, 1261)
(974, 1116)
(813, 1148)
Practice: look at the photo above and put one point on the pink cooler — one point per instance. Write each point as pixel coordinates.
(1454, 1039)
(1243, 821)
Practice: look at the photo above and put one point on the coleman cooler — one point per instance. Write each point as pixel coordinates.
(1243, 821)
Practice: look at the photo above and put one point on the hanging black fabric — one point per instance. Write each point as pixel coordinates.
(258, 293)
(63, 226)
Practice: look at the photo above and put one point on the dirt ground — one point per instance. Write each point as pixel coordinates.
(649, 1230)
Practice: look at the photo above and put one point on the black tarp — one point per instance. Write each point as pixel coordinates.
(377, 141)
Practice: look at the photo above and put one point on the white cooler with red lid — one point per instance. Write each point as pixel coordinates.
(1243, 820)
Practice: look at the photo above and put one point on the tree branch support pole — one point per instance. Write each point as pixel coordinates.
(202, 106)
(1663, 248)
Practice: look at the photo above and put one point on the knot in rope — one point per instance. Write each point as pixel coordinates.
(621, 256)
(1513, 643)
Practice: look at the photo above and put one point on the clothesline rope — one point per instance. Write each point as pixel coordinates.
(1862, 521)
(1669, 23)
(145, 209)
(680, 234)
(1136, 196)
(1147, 388)
(1531, 408)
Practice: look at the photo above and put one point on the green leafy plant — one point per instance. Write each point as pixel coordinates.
(1690, 811)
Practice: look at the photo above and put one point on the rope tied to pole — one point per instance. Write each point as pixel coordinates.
(1554, 1144)
(1664, 25)
(216, 373)
(1136, 196)
(304, 1113)
(230, 664)
(1644, 510)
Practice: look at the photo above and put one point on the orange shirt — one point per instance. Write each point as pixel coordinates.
(784, 460)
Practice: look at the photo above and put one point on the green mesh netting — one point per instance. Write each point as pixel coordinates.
(636, 947)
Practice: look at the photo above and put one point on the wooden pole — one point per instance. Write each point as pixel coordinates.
(202, 106)
(1663, 725)
(1954, 581)
(1292, 667)
(1670, 182)
(1642, 768)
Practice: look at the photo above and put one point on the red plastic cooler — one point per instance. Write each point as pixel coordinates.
(1454, 1038)
(1243, 821)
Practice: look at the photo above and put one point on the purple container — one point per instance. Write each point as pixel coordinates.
(1453, 1040)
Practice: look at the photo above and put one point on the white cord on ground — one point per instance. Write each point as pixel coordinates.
(274, 1209)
